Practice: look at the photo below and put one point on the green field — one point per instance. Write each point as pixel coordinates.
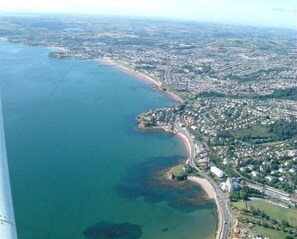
(177, 170)
(255, 131)
(240, 205)
(277, 212)
(272, 234)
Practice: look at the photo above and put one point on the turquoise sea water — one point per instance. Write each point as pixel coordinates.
(79, 167)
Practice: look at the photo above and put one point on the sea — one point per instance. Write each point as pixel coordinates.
(79, 166)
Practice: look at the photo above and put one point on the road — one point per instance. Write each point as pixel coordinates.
(274, 193)
(221, 197)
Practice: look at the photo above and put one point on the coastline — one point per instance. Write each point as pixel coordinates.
(205, 185)
(57, 48)
(186, 143)
(181, 136)
(156, 83)
(202, 182)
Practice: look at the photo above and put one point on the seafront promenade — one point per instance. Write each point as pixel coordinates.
(206, 183)
(212, 189)
(7, 221)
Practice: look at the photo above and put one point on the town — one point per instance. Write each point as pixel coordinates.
(238, 87)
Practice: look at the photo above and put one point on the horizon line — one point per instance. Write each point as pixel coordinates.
(167, 18)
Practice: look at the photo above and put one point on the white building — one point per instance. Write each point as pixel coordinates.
(226, 161)
(292, 170)
(216, 171)
(232, 185)
(292, 153)
(269, 178)
(282, 179)
(255, 174)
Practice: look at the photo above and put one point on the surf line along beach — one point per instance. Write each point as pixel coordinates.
(126, 68)
(203, 183)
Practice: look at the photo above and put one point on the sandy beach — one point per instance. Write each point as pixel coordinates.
(171, 94)
(205, 185)
(156, 83)
(186, 143)
(181, 136)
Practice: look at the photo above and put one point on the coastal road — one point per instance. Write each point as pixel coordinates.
(221, 199)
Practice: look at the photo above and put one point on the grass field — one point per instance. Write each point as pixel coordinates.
(240, 205)
(255, 131)
(277, 212)
(272, 234)
(177, 170)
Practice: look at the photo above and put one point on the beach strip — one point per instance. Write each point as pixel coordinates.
(126, 68)
(186, 143)
(205, 185)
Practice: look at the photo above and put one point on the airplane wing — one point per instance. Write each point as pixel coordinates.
(7, 220)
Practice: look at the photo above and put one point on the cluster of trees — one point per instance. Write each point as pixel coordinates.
(227, 135)
(289, 237)
(279, 131)
(210, 94)
(283, 129)
(244, 194)
(257, 212)
(256, 139)
(235, 196)
(151, 123)
(268, 221)
(289, 93)
(273, 224)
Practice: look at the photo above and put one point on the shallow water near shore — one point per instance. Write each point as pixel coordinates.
(79, 166)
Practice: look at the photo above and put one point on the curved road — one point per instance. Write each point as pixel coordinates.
(225, 217)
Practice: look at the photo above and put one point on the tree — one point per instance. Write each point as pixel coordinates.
(234, 196)
(285, 223)
(243, 195)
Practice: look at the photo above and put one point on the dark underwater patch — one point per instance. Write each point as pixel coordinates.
(107, 230)
(148, 180)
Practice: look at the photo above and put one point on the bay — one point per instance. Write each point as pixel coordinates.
(78, 164)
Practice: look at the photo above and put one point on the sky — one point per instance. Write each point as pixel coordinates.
(271, 13)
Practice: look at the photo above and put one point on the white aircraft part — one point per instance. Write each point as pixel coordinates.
(7, 220)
